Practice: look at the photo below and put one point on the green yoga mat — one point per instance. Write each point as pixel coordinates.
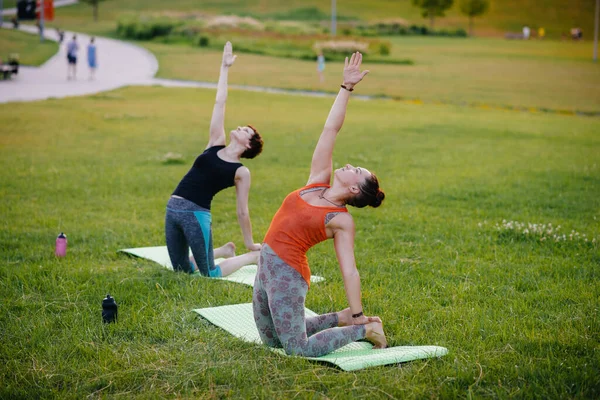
(160, 255)
(238, 320)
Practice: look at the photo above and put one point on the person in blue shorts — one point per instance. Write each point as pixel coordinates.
(188, 219)
(92, 57)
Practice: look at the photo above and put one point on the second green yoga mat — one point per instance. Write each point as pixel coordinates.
(239, 321)
(160, 255)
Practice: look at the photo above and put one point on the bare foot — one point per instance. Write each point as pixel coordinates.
(229, 249)
(225, 251)
(345, 317)
(376, 335)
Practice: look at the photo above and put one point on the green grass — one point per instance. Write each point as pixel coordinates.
(494, 72)
(29, 48)
(504, 15)
(519, 317)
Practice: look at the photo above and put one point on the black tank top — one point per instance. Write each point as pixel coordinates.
(207, 177)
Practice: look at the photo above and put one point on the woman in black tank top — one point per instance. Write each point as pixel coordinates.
(188, 219)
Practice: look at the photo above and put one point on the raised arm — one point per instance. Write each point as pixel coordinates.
(242, 188)
(343, 239)
(217, 122)
(320, 169)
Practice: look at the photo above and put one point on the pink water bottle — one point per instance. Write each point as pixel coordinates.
(61, 245)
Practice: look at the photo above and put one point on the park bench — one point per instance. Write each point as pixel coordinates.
(513, 36)
(7, 70)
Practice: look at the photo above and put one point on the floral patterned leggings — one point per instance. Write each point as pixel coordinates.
(278, 303)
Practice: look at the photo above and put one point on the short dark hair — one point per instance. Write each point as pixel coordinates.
(256, 144)
(369, 195)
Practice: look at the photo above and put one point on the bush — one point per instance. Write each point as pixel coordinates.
(307, 14)
(203, 41)
(384, 29)
(384, 49)
(189, 29)
(140, 28)
(460, 33)
(397, 29)
(347, 31)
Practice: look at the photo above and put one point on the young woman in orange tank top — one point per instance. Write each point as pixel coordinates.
(309, 215)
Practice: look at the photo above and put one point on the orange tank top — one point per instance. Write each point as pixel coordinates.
(296, 227)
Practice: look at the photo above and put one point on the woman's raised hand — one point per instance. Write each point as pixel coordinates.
(228, 57)
(352, 74)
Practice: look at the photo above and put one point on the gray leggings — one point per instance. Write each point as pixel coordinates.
(187, 225)
(278, 303)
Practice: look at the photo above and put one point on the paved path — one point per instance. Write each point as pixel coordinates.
(119, 64)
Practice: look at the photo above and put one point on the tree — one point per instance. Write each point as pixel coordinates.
(94, 4)
(433, 8)
(473, 8)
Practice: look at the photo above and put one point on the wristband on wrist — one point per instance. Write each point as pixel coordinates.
(344, 87)
(360, 314)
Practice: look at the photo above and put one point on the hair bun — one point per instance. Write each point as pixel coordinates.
(378, 198)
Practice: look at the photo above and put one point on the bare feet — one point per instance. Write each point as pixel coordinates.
(345, 317)
(376, 335)
(225, 251)
(232, 264)
(229, 249)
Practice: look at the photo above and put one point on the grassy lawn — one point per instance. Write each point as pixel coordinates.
(29, 48)
(519, 315)
(553, 75)
(504, 15)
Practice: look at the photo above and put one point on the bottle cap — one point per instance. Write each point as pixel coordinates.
(108, 300)
(62, 235)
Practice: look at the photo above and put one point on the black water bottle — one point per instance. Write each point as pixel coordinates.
(109, 310)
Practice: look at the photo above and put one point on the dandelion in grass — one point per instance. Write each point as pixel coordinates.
(541, 232)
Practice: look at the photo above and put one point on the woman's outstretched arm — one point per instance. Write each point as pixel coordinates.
(242, 187)
(343, 240)
(320, 169)
(217, 122)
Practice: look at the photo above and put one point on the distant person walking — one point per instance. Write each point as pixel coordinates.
(92, 58)
(61, 35)
(526, 32)
(321, 66)
(72, 49)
